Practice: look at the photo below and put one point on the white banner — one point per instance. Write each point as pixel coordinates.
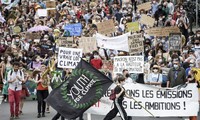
(69, 57)
(160, 102)
(116, 43)
(134, 64)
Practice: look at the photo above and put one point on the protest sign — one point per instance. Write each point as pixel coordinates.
(175, 41)
(50, 4)
(65, 42)
(162, 31)
(33, 36)
(69, 57)
(135, 43)
(16, 29)
(147, 20)
(115, 43)
(167, 30)
(146, 6)
(133, 26)
(88, 44)
(134, 64)
(42, 12)
(51, 12)
(160, 102)
(74, 29)
(106, 27)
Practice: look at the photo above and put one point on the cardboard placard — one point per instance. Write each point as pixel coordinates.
(135, 43)
(162, 31)
(106, 27)
(88, 44)
(51, 12)
(146, 6)
(147, 20)
(133, 26)
(16, 29)
(175, 41)
(65, 42)
(33, 36)
(167, 30)
(50, 4)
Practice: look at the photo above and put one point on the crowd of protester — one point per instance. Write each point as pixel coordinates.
(24, 59)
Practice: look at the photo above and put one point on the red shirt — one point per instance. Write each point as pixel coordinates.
(96, 63)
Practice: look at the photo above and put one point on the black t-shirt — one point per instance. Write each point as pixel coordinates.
(117, 91)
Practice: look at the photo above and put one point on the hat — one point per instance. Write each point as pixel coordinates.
(56, 30)
(156, 66)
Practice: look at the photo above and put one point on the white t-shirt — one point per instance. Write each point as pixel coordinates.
(152, 77)
(16, 85)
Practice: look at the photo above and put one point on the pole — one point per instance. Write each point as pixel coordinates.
(89, 116)
(197, 10)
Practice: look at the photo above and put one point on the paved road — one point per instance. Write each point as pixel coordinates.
(30, 113)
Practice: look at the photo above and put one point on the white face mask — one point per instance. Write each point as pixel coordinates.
(175, 66)
(155, 70)
(37, 60)
(17, 40)
(9, 59)
(191, 65)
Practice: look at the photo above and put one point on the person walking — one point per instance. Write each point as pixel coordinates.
(120, 94)
(15, 79)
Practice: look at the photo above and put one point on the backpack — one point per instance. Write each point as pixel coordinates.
(112, 95)
(20, 72)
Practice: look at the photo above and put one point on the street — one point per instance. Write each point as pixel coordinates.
(30, 113)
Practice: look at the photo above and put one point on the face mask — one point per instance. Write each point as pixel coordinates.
(9, 43)
(17, 40)
(9, 59)
(37, 60)
(160, 60)
(191, 65)
(95, 56)
(185, 51)
(2, 43)
(155, 70)
(175, 66)
(170, 18)
(2, 58)
(129, 10)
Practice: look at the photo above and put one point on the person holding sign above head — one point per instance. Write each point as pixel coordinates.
(155, 77)
(176, 75)
(120, 94)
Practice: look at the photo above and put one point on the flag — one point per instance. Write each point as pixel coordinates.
(80, 91)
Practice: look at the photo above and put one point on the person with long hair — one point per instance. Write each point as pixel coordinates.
(6, 68)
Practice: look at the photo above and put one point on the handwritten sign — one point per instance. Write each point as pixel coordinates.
(88, 44)
(162, 31)
(50, 4)
(146, 6)
(135, 43)
(69, 57)
(33, 36)
(175, 41)
(147, 20)
(65, 42)
(133, 26)
(106, 27)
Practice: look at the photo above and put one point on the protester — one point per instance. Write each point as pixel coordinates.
(32, 38)
(15, 79)
(176, 75)
(120, 94)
